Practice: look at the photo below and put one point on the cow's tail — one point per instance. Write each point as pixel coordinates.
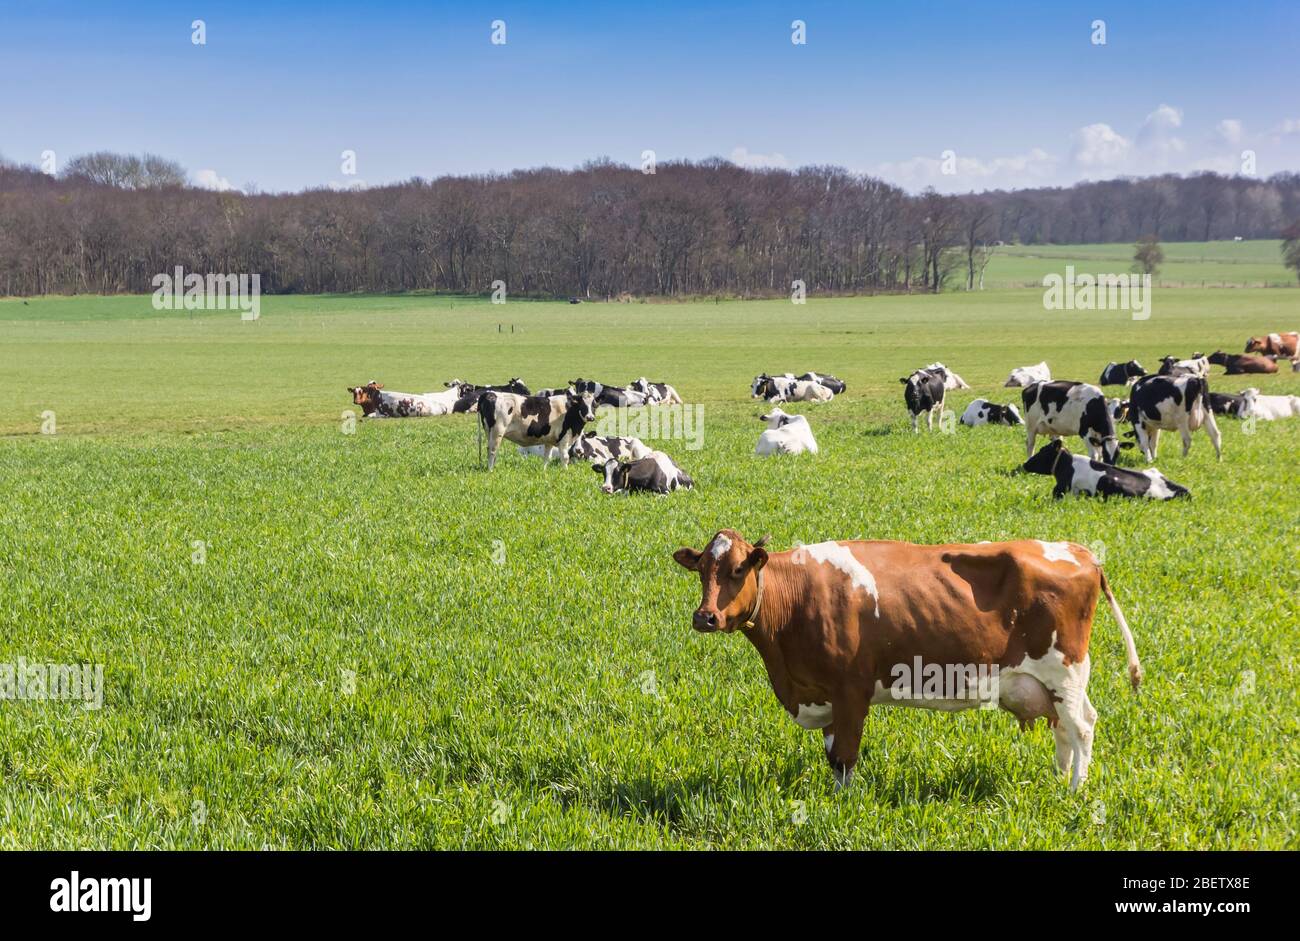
(487, 416)
(1134, 667)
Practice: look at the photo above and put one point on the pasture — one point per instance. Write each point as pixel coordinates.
(1216, 264)
(380, 645)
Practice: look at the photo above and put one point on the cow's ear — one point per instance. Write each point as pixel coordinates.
(757, 558)
(903, 381)
(688, 558)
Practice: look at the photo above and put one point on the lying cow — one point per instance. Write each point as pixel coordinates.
(534, 420)
(1121, 374)
(1172, 403)
(843, 626)
(654, 473)
(1197, 365)
(785, 434)
(786, 389)
(469, 393)
(1269, 407)
(614, 396)
(950, 379)
(1276, 344)
(656, 393)
(924, 391)
(984, 412)
(1075, 473)
(601, 448)
(1226, 403)
(1070, 408)
(378, 402)
(1023, 376)
(837, 386)
(1239, 364)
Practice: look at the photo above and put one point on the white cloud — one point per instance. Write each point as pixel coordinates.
(1032, 168)
(1288, 126)
(211, 180)
(1229, 131)
(741, 157)
(1099, 146)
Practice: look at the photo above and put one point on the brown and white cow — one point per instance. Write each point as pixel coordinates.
(1278, 344)
(1237, 364)
(843, 626)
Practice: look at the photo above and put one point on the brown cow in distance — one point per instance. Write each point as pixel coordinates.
(1276, 344)
(843, 626)
(1238, 364)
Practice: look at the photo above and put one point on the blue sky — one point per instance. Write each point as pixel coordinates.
(1016, 91)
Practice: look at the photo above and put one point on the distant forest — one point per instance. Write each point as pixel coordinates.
(110, 223)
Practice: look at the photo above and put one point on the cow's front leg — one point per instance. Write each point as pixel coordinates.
(843, 740)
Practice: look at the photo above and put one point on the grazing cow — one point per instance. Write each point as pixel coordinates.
(924, 391)
(377, 402)
(1225, 403)
(1238, 364)
(843, 626)
(614, 396)
(786, 389)
(984, 412)
(837, 386)
(536, 419)
(1121, 374)
(1198, 365)
(1070, 408)
(657, 393)
(1075, 473)
(1023, 376)
(1277, 344)
(601, 448)
(785, 434)
(1269, 407)
(1172, 403)
(654, 473)
(950, 379)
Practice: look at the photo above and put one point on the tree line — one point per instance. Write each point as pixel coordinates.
(110, 223)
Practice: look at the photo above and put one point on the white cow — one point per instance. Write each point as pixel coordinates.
(785, 434)
(1023, 376)
(950, 379)
(1269, 407)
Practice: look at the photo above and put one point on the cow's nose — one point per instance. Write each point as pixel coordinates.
(703, 621)
(606, 488)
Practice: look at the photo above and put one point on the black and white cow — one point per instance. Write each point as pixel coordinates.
(789, 389)
(1075, 473)
(654, 473)
(532, 420)
(1118, 409)
(924, 391)
(1197, 365)
(468, 393)
(1122, 374)
(1062, 408)
(950, 379)
(601, 448)
(657, 393)
(1172, 403)
(615, 396)
(984, 412)
(837, 386)
(1227, 403)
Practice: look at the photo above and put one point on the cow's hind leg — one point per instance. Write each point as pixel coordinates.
(1076, 719)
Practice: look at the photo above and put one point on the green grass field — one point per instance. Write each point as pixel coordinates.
(1256, 263)
(350, 667)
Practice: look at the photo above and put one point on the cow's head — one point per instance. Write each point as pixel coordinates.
(1257, 345)
(516, 385)
(728, 569)
(367, 396)
(758, 388)
(1219, 358)
(585, 386)
(775, 418)
(1133, 369)
(1044, 462)
(1011, 415)
(582, 406)
(1248, 397)
(614, 473)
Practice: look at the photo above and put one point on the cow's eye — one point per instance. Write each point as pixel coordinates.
(738, 572)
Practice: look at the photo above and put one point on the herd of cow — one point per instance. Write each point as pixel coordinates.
(845, 625)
